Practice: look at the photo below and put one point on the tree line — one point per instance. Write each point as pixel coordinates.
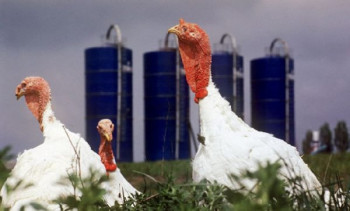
(340, 141)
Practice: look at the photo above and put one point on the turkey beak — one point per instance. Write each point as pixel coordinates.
(108, 137)
(174, 29)
(19, 92)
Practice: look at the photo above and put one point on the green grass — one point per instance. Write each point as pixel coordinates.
(180, 170)
(330, 167)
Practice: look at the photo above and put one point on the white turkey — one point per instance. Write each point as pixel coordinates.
(61, 153)
(118, 187)
(230, 145)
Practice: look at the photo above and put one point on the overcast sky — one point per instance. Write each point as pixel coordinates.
(48, 39)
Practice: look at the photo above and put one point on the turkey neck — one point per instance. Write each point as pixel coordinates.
(106, 153)
(196, 59)
(39, 103)
(215, 114)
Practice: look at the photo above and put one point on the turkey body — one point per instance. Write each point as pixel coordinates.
(233, 147)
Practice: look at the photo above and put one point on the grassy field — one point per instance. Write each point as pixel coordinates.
(329, 167)
(137, 173)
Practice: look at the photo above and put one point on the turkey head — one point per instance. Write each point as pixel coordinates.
(37, 94)
(194, 47)
(105, 128)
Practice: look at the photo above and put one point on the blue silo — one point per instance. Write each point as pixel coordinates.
(272, 94)
(108, 87)
(166, 106)
(227, 73)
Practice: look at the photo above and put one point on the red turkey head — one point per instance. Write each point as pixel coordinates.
(37, 94)
(194, 47)
(105, 128)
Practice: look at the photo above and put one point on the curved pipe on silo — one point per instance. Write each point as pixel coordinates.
(234, 72)
(177, 115)
(166, 105)
(179, 84)
(119, 79)
(227, 73)
(108, 84)
(287, 78)
(272, 88)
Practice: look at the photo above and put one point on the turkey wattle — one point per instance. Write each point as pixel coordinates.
(231, 146)
(118, 187)
(61, 153)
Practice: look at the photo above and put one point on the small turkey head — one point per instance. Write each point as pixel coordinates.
(105, 128)
(37, 94)
(194, 47)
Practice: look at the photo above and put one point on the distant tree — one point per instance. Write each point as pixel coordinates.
(326, 138)
(307, 142)
(341, 138)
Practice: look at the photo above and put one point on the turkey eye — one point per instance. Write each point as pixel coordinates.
(184, 29)
(23, 85)
(110, 126)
